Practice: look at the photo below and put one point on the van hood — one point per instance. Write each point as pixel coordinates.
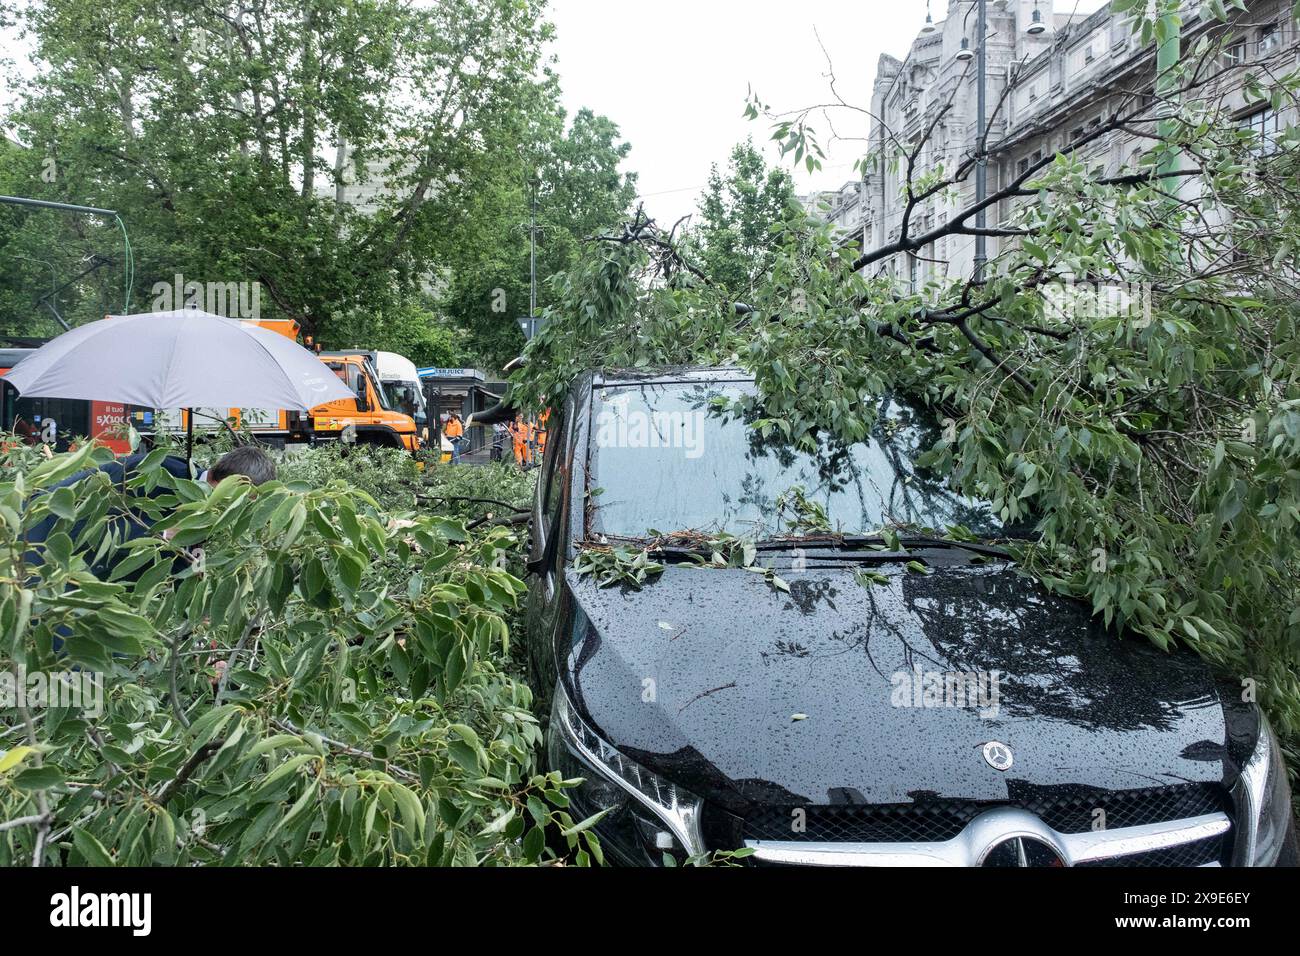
(841, 692)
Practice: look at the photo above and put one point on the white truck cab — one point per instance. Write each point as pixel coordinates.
(402, 387)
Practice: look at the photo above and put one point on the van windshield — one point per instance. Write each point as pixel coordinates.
(665, 458)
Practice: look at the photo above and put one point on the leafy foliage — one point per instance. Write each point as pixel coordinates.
(319, 683)
(390, 476)
(633, 564)
(362, 162)
(472, 492)
(737, 214)
(413, 327)
(611, 565)
(579, 191)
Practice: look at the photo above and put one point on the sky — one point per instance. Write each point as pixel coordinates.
(674, 74)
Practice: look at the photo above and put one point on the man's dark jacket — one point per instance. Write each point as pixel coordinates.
(133, 525)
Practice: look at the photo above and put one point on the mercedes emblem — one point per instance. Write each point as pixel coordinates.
(997, 755)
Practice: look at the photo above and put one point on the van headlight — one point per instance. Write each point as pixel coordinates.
(1265, 802)
(664, 818)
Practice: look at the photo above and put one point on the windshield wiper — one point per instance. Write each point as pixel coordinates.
(871, 546)
(905, 542)
(931, 541)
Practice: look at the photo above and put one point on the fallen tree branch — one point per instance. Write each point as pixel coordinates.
(341, 747)
(485, 501)
(519, 517)
(187, 770)
(40, 819)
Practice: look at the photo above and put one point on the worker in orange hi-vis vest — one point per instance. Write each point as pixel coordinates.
(541, 433)
(530, 440)
(455, 432)
(521, 442)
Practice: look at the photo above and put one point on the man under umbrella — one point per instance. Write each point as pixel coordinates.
(132, 522)
(248, 461)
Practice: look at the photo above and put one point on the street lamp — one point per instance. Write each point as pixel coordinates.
(929, 21)
(531, 323)
(1036, 24)
(536, 183)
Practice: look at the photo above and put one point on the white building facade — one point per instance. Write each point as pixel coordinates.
(1044, 89)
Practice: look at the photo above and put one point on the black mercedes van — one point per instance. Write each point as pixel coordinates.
(878, 693)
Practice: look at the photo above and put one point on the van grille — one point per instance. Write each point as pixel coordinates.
(935, 821)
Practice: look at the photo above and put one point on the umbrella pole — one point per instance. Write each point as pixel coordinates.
(189, 435)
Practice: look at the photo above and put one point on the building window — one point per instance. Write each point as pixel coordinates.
(1270, 38)
(1234, 54)
(1264, 127)
(1022, 167)
(1088, 55)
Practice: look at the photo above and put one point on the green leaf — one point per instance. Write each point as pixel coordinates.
(38, 778)
(63, 502)
(465, 755)
(92, 852)
(534, 843)
(586, 824)
(499, 823)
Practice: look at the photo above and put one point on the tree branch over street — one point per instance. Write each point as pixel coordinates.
(1125, 375)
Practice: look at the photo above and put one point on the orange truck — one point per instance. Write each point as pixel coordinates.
(373, 420)
(368, 418)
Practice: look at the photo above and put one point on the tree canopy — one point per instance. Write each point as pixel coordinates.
(363, 162)
(737, 213)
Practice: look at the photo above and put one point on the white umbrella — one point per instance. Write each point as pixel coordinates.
(186, 358)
